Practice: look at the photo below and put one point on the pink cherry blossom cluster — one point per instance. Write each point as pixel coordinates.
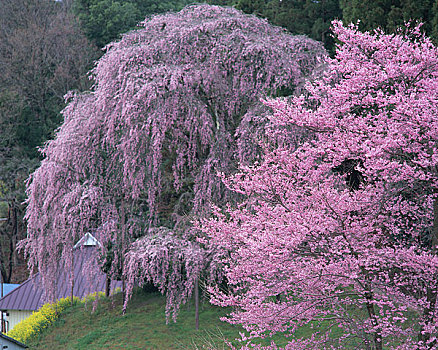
(340, 233)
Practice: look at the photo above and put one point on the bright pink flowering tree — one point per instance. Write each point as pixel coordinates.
(172, 104)
(340, 233)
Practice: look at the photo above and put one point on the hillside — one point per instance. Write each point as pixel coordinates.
(143, 327)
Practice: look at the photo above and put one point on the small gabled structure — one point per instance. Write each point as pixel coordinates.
(87, 241)
(10, 343)
(28, 297)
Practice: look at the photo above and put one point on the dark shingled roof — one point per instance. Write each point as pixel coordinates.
(29, 295)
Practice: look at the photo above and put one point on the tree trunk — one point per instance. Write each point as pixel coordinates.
(72, 288)
(107, 285)
(123, 288)
(14, 235)
(7, 250)
(377, 337)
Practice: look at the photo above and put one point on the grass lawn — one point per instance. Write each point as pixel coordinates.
(142, 327)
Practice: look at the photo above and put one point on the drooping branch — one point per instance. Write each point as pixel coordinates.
(160, 121)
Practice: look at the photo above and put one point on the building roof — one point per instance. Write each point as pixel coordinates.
(87, 240)
(12, 340)
(29, 295)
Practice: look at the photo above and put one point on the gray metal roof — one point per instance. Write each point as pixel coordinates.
(29, 295)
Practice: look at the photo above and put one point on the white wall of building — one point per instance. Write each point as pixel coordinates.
(16, 316)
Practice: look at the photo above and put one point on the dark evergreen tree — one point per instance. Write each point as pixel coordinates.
(389, 14)
(104, 20)
(309, 17)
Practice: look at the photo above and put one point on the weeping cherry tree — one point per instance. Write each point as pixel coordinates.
(137, 157)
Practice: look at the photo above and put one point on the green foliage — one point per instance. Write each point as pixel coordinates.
(226, 2)
(309, 17)
(31, 327)
(19, 137)
(313, 17)
(390, 14)
(104, 20)
(40, 320)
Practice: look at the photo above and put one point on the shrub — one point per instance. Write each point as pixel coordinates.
(47, 314)
(41, 319)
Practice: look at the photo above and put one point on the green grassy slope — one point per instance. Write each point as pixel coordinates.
(142, 327)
